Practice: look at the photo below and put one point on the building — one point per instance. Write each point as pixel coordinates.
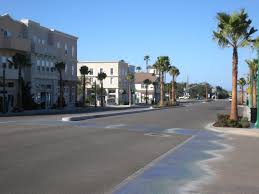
(44, 47)
(153, 91)
(116, 84)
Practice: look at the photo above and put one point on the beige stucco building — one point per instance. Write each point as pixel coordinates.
(45, 47)
(115, 84)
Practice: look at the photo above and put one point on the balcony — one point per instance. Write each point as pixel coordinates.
(18, 44)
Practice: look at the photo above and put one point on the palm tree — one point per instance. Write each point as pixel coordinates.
(146, 58)
(146, 82)
(162, 65)
(19, 61)
(252, 64)
(60, 66)
(174, 72)
(138, 69)
(233, 30)
(242, 83)
(130, 79)
(154, 83)
(84, 71)
(101, 76)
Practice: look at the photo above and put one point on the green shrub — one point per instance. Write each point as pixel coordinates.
(244, 122)
(224, 121)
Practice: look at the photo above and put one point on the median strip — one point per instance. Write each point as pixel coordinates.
(107, 114)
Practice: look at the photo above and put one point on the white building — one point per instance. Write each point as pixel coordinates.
(153, 91)
(115, 84)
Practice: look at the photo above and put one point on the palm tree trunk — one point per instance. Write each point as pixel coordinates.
(173, 91)
(101, 93)
(146, 94)
(19, 92)
(60, 90)
(234, 112)
(154, 97)
(254, 94)
(242, 95)
(161, 89)
(129, 95)
(84, 90)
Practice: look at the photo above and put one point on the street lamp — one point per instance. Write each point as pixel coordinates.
(257, 99)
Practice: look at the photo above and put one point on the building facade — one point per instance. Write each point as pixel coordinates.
(153, 90)
(44, 47)
(116, 84)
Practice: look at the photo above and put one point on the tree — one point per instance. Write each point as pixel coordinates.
(174, 72)
(101, 76)
(154, 83)
(138, 69)
(146, 58)
(130, 79)
(162, 65)
(19, 61)
(242, 83)
(233, 30)
(84, 71)
(60, 66)
(252, 64)
(146, 82)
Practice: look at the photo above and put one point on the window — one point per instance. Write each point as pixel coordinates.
(91, 71)
(34, 39)
(10, 84)
(66, 49)
(38, 68)
(43, 68)
(58, 44)
(111, 71)
(47, 68)
(101, 70)
(66, 68)
(7, 34)
(72, 69)
(43, 42)
(73, 51)
(111, 80)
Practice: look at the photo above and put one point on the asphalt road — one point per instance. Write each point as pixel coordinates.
(41, 154)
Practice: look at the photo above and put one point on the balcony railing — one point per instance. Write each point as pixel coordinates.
(12, 43)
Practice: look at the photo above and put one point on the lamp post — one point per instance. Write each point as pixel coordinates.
(4, 90)
(257, 99)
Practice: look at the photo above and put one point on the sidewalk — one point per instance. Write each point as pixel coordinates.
(249, 132)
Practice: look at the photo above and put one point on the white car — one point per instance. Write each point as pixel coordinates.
(230, 99)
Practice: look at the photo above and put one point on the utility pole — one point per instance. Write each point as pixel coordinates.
(4, 90)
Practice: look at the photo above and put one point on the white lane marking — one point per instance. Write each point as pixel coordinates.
(158, 134)
(7, 122)
(114, 126)
(172, 130)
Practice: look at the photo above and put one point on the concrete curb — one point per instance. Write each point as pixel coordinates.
(107, 114)
(249, 132)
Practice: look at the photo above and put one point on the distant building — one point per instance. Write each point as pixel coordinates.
(153, 90)
(45, 47)
(115, 84)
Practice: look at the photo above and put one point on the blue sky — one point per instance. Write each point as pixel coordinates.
(130, 29)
